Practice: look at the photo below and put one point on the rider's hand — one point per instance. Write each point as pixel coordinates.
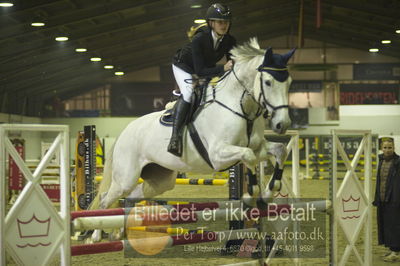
(228, 65)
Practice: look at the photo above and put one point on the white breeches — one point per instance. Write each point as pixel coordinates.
(186, 87)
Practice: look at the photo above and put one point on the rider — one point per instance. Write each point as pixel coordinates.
(208, 45)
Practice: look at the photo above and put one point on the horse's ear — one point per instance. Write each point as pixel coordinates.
(268, 57)
(288, 55)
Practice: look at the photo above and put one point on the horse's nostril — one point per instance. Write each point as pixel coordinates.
(278, 126)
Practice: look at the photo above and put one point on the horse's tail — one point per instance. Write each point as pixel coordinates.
(106, 181)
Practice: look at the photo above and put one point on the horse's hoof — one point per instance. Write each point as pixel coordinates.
(255, 191)
(277, 185)
(267, 196)
(115, 235)
(96, 237)
(249, 200)
(89, 240)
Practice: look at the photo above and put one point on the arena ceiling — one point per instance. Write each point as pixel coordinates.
(135, 34)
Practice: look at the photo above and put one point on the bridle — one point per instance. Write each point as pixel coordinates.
(265, 102)
(261, 97)
(262, 104)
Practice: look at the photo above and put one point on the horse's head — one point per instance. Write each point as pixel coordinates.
(274, 82)
(269, 85)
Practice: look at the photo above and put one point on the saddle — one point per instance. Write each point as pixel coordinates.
(198, 97)
(198, 100)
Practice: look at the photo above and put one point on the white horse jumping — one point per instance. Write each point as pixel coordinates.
(230, 125)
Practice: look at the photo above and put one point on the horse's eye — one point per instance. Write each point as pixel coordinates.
(268, 83)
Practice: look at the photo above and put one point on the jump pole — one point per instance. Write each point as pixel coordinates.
(96, 248)
(167, 218)
(178, 240)
(195, 206)
(167, 230)
(188, 181)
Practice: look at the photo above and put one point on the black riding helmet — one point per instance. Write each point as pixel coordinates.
(218, 11)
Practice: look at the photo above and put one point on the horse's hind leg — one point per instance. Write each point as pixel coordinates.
(106, 200)
(111, 196)
(123, 181)
(157, 180)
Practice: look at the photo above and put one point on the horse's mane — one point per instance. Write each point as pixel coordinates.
(247, 51)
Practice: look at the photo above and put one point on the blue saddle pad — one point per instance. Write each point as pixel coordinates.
(166, 119)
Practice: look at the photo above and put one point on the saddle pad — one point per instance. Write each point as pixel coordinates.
(166, 119)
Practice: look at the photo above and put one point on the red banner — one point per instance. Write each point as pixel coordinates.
(379, 93)
(15, 176)
(368, 98)
(52, 191)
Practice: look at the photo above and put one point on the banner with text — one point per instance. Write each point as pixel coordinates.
(388, 71)
(369, 93)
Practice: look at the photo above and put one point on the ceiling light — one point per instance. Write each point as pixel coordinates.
(374, 50)
(80, 50)
(6, 4)
(119, 73)
(195, 6)
(61, 39)
(386, 41)
(37, 24)
(108, 67)
(398, 31)
(95, 59)
(199, 21)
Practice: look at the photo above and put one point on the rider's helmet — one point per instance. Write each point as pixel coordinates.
(218, 11)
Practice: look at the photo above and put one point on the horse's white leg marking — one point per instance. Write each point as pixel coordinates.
(278, 150)
(137, 193)
(114, 193)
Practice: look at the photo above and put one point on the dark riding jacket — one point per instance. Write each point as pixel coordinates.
(388, 211)
(199, 57)
(392, 194)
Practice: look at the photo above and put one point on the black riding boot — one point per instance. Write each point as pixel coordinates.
(175, 144)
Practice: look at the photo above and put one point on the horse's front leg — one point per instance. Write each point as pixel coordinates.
(279, 151)
(225, 155)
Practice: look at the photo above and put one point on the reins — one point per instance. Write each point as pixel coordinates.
(261, 103)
